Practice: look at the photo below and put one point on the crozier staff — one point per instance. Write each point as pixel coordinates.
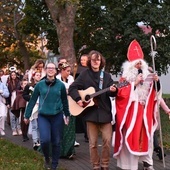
(136, 117)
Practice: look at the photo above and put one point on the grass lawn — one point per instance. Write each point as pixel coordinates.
(14, 157)
(165, 123)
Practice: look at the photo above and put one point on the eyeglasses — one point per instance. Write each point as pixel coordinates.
(51, 68)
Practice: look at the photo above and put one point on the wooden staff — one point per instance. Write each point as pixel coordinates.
(153, 55)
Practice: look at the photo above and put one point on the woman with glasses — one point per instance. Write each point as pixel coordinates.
(98, 117)
(53, 106)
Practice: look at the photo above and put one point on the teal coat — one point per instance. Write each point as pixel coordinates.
(52, 99)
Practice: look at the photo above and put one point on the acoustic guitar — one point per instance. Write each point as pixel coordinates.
(87, 97)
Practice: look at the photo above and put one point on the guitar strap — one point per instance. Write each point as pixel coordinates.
(101, 79)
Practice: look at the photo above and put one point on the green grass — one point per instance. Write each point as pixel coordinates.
(167, 96)
(14, 157)
(165, 124)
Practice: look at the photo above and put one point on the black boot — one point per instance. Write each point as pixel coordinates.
(158, 150)
(25, 138)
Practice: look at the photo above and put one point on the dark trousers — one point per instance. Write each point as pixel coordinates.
(50, 129)
(24, 127)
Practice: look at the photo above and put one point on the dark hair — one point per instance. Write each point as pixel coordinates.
(97, 55)
(84, 55)
(61, 58)
(13, 85)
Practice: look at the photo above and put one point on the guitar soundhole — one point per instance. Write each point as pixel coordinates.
(87, 98)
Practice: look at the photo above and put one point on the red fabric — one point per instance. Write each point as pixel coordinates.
(138, 140)
(150, 110)
(134, 51)
(139, 133)
(121, 101)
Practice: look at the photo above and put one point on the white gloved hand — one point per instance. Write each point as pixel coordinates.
(1, 91)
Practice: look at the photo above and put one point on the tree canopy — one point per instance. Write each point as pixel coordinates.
(103, 25)
(110, 26)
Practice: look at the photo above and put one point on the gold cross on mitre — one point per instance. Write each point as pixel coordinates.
(134, 51)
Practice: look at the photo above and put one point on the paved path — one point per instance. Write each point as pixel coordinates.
(81, 160)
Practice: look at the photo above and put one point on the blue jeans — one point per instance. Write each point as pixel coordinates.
(35, 130)
(15, 123)
(51, 128)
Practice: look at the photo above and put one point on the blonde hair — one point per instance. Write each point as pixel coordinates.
(37, 63)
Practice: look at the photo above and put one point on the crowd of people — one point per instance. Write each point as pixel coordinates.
(37, 103)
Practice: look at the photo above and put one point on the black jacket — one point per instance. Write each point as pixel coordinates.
(27, 92)
(100, 113)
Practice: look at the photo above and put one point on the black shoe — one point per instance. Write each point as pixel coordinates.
(158, 150)
(147, 166)
(86, 140)
(25, 138)
(53, 168)
(47, 165)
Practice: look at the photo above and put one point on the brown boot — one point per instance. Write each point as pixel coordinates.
(104, 168)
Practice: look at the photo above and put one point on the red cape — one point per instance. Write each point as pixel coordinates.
(135, 121)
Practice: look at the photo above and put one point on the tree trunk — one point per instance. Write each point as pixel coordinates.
(22, 48)
(24, 52)
(64, 19)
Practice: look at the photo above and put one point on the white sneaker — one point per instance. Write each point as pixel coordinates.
(19, 132)
(2, 132)
(14, 133)
(76, 144)
(36, 145)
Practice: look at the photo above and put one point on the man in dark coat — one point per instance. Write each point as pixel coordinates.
(98, 116)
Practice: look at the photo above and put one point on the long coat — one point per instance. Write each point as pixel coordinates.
(19, 103)
(101, 111)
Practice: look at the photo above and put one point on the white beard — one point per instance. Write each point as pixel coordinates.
(130, 73)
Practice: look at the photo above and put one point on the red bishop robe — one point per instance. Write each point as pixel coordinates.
(135, 121)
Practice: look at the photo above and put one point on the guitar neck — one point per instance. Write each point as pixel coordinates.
(122, 84)
(99, 92)
(107, 89)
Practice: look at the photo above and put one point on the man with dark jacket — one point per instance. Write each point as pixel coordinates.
(98, 116)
